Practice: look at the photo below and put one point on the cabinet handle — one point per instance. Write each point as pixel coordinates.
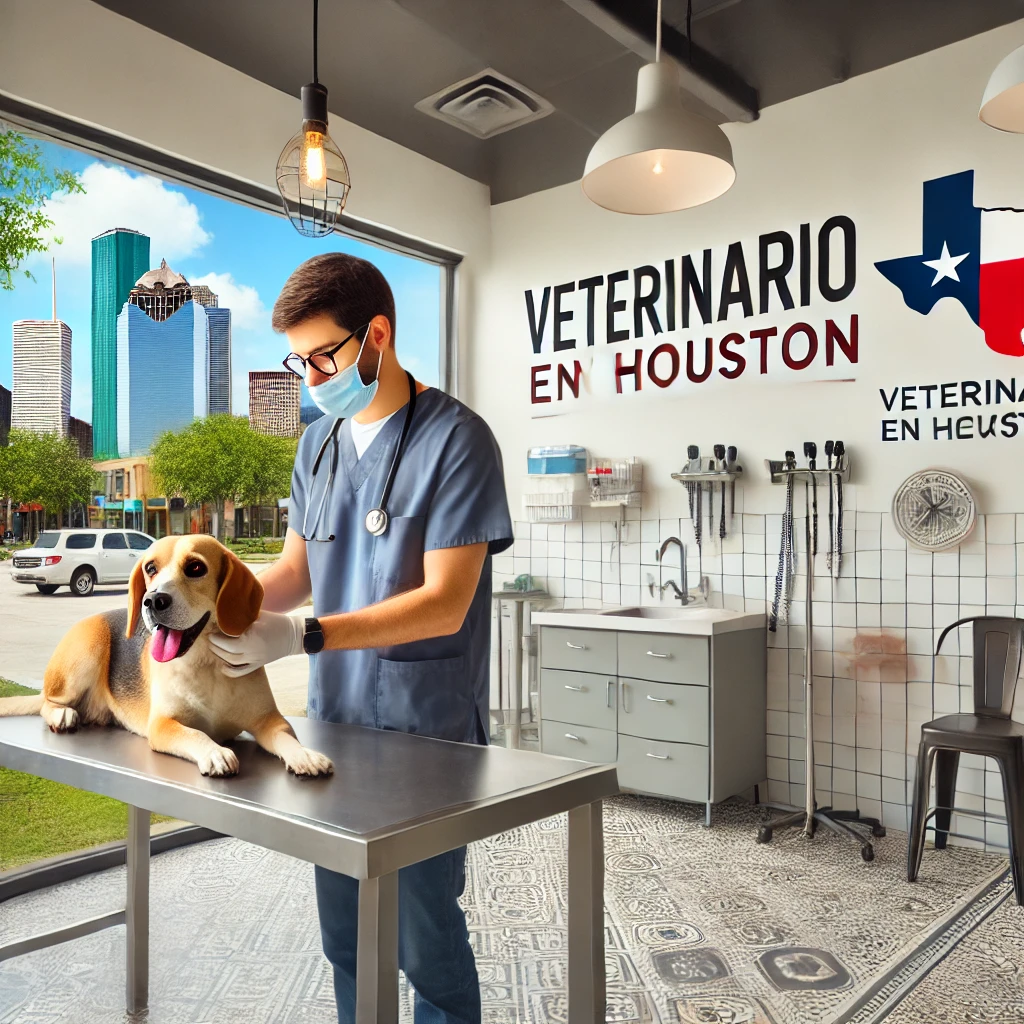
(660, 757)
(609, 690)
(624, 684)
(651, 654)
(659, 700)
(578, 689)
(570, 736)
(575, 647)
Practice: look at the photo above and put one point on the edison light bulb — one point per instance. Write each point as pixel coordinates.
(657, 168)
(315, 168)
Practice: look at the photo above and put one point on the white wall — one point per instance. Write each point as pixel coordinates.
(861, 148)
(60, 54)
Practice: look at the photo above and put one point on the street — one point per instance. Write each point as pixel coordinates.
(31, 625)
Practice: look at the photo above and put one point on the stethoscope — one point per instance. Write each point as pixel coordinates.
(377, 518)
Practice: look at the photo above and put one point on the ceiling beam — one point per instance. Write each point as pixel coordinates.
(701, 74)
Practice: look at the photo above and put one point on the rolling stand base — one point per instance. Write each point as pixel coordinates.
(831, 819)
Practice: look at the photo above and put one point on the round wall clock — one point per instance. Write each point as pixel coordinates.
(934, 509)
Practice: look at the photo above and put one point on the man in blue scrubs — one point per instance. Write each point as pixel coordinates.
(400, 636)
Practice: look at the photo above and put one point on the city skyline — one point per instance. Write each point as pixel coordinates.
(239, 254)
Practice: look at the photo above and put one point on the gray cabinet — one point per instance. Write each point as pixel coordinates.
(683, 716)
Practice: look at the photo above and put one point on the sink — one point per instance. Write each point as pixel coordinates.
(687, 612)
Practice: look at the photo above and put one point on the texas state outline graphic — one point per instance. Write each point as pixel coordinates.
(969, 253)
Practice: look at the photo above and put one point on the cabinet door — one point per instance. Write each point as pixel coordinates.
(580, 650)
(578, 741)
(665, 658)
(581, 697)
(678, 770)
(663, 711)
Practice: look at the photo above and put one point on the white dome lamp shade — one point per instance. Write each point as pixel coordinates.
(662, 158)
(1002, 106)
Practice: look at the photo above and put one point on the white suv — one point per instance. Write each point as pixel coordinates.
(79, 559)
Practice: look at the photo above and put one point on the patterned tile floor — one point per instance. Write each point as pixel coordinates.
(702, 927)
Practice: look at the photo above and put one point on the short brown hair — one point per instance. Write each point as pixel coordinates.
(350, 290)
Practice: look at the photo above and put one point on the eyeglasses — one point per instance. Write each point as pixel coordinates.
(322, 362)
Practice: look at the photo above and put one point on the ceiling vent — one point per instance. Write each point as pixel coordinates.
(486, 104)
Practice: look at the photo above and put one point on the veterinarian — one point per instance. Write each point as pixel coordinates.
(397, 503)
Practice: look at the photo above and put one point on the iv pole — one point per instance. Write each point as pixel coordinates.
(811, 815)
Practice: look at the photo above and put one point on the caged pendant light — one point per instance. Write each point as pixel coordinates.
(661, 158)
(312, 175)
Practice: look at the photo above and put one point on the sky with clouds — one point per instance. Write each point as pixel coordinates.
(243, 254)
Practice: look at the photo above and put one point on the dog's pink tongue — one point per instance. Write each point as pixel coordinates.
(166, 643)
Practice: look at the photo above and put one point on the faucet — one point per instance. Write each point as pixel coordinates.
(682, 593)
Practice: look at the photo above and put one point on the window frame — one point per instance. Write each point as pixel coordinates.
(55, 127)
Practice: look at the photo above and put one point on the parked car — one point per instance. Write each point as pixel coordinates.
(8, 537)
(79, 559)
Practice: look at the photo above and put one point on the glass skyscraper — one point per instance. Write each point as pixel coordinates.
(162, 374)
(220, 348)
(119, 258)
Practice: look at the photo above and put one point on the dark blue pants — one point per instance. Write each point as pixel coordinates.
(433, 940)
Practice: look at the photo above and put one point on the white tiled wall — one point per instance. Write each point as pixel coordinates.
(868, 720)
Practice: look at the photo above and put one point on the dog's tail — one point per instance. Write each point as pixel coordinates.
(30, 705)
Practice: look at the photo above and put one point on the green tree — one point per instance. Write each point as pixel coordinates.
(45, 469)
(221, 458)
(25, 185)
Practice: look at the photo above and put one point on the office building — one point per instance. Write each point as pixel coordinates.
(81, 433)
(204, 295)
(219, 321)
(41, 397)
(160, 293)
(274, 402)
(162, 372)
(119, 258)
(5, 414)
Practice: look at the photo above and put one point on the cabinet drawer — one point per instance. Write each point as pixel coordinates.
(584, 650)
(664, 658)
(664, 711)
(578, 741)
(678, 770)
(581, 697)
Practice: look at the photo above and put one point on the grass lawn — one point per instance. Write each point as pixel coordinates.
(40, 819)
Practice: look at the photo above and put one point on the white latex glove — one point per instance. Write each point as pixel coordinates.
(270, 637)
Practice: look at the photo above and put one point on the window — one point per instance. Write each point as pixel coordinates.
(80, 541)
(114, 541)
(138, 541)
(47, 540)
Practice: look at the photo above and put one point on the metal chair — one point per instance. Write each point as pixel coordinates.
(998, 644)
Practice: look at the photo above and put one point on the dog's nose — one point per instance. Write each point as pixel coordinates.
(159, 601)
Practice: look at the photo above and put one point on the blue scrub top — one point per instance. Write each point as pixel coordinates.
(449, 491)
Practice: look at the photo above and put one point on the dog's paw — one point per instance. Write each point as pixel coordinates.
(62, 720)
(219, 761)
(309, 762)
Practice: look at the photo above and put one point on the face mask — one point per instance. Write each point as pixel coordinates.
(345, 394)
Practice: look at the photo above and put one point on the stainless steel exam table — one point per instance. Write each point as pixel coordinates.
(394, 799)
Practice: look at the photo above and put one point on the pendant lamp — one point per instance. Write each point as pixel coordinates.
(1002, 106)
(662, 157)
(312, 175)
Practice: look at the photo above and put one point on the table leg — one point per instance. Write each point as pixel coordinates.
(515, 682)
(586, 915)
(137, 911)
(377, 951)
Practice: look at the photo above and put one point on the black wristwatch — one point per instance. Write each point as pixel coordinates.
(313, 637)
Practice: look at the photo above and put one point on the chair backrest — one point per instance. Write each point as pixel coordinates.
(998, 644)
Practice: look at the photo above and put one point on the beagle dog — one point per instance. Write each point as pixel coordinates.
(152, 670)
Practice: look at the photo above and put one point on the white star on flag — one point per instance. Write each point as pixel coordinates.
(945, 265)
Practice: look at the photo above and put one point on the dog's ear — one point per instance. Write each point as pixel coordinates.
(136, 592)
(240, 596)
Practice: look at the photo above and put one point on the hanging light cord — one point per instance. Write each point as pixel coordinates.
(689, 32)
(316, 4)
(657, 37)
